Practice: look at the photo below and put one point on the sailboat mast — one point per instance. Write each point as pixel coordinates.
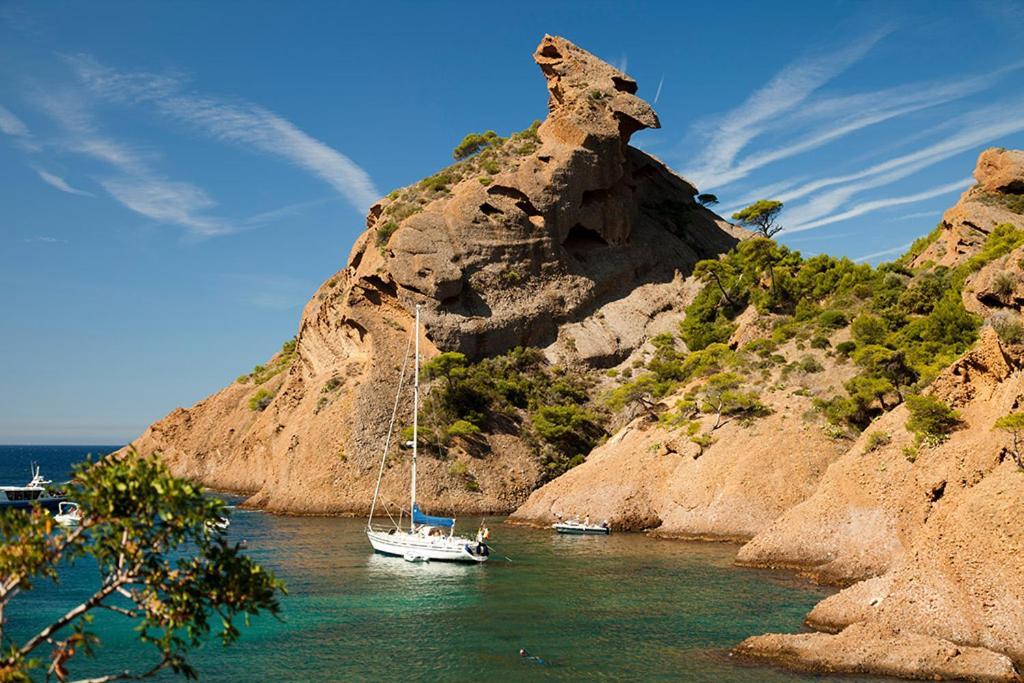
(415, 422)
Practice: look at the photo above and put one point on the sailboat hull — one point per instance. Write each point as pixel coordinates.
(404, 544)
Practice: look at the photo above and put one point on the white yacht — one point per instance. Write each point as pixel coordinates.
(37, 491)
(426, 537)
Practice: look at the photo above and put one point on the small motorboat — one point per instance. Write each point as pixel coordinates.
(574, 526)
(68, 514)
(221, 523)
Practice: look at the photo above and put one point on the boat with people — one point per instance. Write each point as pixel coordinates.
(426, 537)
(68, 514)
(38, 491)
(574, 526)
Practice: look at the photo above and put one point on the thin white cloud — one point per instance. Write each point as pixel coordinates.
(658, 93)
(785, 92)
(885, 252)
(235, 121)
(61, 184)
(11, 124)
(167, 201)
(921, 214)
(136, 185)
(869, 109)
(977, 129)
(253, 126)
(877, 204)
(44, 239)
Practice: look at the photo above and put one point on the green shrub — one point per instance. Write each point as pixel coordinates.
(438, 182)
(809, 364)
(261, 399)
(931, 417)
(463, 428)
(846, 348)
(876, 440)
(820, 342)
(868, 329)
(474, 142)
(384, 233)
(1002, 284)
(1009, 328)
(832, 319)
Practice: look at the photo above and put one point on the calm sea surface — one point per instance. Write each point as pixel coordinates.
(622, 607)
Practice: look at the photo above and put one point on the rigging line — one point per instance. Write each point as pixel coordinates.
(391, 428)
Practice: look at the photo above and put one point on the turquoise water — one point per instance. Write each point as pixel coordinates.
(622, 607)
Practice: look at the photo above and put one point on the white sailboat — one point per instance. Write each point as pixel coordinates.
(427, 537)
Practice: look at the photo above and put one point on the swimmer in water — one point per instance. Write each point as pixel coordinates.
(536, 660)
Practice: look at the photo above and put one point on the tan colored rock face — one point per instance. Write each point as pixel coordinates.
(1001, 171)
(965, 226)
(563, 234)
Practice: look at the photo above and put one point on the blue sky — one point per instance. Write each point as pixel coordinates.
(177, 178)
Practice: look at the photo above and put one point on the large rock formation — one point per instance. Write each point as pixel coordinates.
(931, 545)
(563, 237)
(998, 197)
(653, 476)
(927, 541)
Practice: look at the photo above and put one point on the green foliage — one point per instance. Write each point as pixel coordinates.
(474, 142)
(868, 329)
(876, 440)
(722, 396)
(707, 199)
(1009, 328)
(278, 364)
(1013, 424)
(760, 216)
(820, 342)
(162, 564)
(438, 182)
(1014, 202)
(261, 399)
(920, 244)
(1003, 239)
(463, 428)
(517, 392)
(384, 233)
(931, 418)
(846, 348)
(833, 319)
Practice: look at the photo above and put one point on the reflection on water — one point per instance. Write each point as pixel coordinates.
(592, 607)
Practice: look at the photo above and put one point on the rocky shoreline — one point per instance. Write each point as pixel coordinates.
(566, 239)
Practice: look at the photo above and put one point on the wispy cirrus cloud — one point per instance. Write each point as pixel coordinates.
(878, 204)
(135, 184)
(813, 120)
(235, 121)
(784, 93)
(833, 193)
(61, 184)
(11, 124)
(44, 239)
(884, 252)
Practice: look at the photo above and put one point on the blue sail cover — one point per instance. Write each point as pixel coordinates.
(420, 518)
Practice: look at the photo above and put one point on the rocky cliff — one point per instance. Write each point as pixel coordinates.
(562, 237)
(926, 540)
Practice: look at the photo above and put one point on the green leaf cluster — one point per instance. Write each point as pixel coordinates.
(162, 564)
(516, 392)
